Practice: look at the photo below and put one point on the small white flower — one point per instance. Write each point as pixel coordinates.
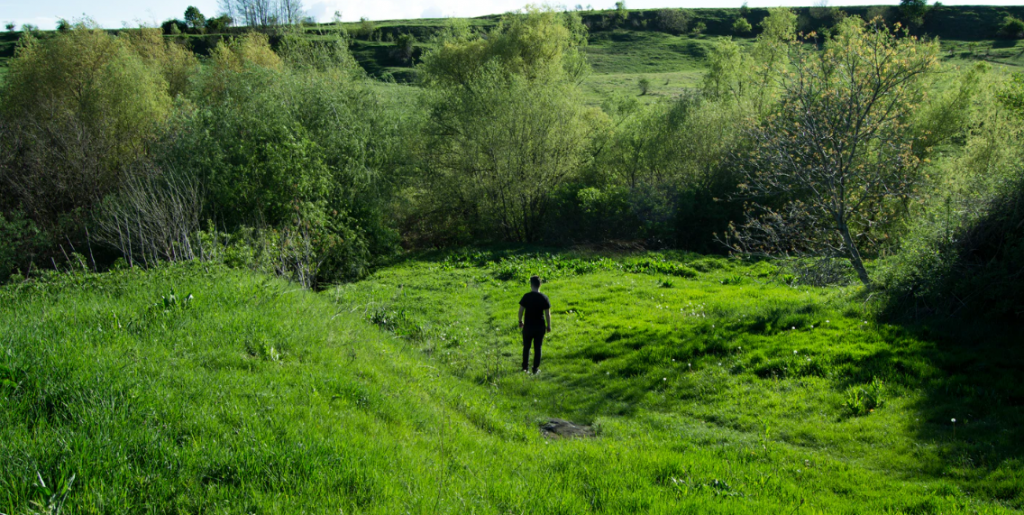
(794, 351)
(954, 421)
(793, 328)
(664, 379)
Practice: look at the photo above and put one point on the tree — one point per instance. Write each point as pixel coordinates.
(914, 11)
(741, 26)
(290, 12)
(28, 27)
(645, 85)
(194, 18)
(10, 26)
(404, 46)
(673, 21)
(1012, 28)
(219, 23)
(836, 159)
(728, 70)
(83, 110)
(507, 124)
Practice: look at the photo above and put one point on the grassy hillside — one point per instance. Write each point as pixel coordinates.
(712, 385)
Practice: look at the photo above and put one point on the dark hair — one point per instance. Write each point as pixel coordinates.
(535, 281)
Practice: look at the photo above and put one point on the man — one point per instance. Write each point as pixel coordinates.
(537, 308)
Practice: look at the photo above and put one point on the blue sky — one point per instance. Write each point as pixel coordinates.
(117, 13)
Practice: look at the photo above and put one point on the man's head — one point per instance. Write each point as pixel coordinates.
(535, 282)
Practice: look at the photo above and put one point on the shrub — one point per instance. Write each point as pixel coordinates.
(1012, 28)
(645, 85)
(82, 109)
(673, 21)
(741, 26)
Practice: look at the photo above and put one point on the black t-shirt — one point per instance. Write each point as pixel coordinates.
(535, 303)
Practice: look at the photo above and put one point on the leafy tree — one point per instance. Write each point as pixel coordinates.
(173, 27)
(366, 28)
(645, 85)
(741, 26)
(83, 108)
(63, 25)
(10, 26)
(172, 60)
(771, 53)
(194, 18)
(728, 70)
(404, 46)
(507, 124)
(699, 28)
(837, 158)
(914, 11)
(673, 21)
(1012, 28)
(28, 27)
(219, 23)
(295, 145)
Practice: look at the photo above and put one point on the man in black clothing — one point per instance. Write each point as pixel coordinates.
(537, 308)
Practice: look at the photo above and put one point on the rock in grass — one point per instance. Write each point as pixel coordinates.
(557, 428)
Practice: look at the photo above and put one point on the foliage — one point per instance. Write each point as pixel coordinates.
(645, 85)
(728, 70)
(914, 11)
(741, 26)
(17, 244)
(81, 109)
(175, 62)
(506, 124)
(194, 18)
(673, 21)
(1012, 28)
(298, 149)
(963, 255)
(836, 159)
(658, 172)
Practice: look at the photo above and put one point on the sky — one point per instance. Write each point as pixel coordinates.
(119, 13)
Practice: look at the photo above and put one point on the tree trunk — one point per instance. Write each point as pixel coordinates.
(854, 255)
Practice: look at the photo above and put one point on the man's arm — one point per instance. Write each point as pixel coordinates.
(547, 316)
(521, 311)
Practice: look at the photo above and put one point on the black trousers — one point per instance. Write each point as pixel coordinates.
(536, 336)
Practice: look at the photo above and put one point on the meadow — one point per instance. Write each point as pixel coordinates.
(713, 386)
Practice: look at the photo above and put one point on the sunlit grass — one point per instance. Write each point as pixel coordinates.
(713, 386)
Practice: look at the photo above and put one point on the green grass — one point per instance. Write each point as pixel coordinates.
(714, 388)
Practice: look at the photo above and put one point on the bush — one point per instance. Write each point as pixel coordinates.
(296, 148)
(1012, 28)
(741, 26)
(17, 237)
(81, 109)
(673, 21)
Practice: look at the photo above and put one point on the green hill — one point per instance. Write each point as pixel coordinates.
(712, 386)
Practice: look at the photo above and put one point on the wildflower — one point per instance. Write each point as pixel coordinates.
(954, 421)
(794, 351)
(664, 379)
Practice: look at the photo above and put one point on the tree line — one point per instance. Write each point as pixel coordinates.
(858, 146)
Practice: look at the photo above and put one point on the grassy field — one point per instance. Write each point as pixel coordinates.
(713, 387)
